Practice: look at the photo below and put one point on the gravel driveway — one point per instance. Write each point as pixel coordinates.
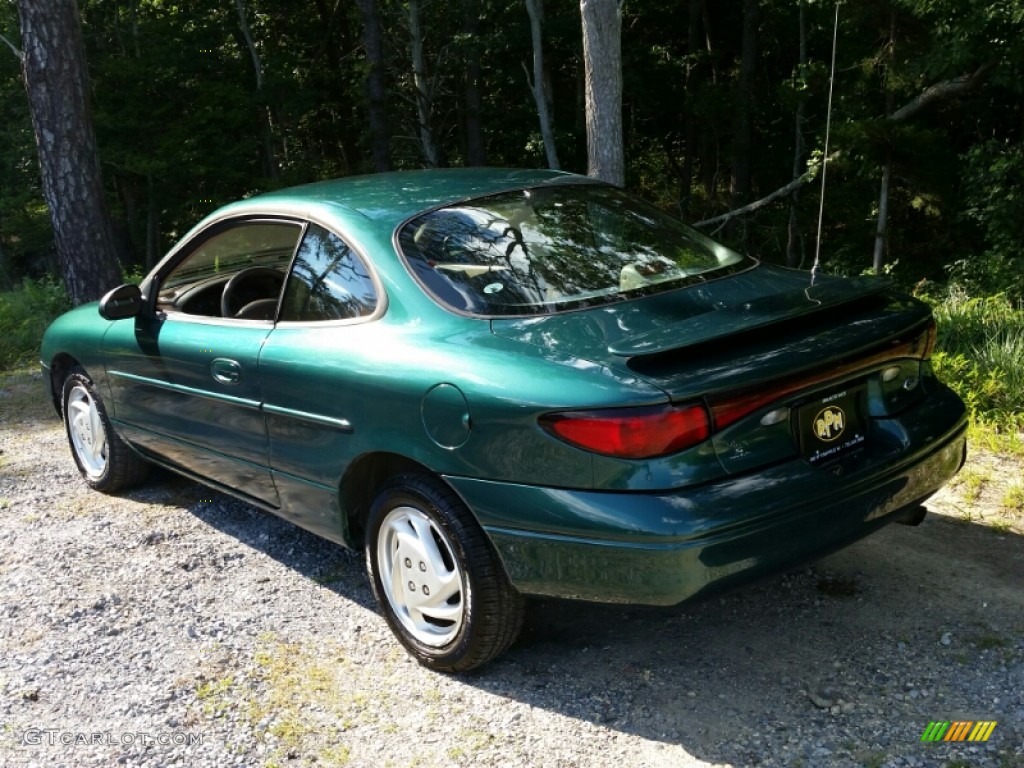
(177, 626)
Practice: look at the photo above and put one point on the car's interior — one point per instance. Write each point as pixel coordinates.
(251, 293)
(237, 272)
(240, 273)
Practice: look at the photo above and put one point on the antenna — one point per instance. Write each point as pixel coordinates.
(824, 161)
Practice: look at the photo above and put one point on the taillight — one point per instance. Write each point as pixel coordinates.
(730, 411)
(730, 408)
(632, 433)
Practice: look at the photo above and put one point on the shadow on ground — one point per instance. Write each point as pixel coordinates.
(908, 626)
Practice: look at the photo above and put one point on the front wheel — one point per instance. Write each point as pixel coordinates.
(104, 459)
(438, 580)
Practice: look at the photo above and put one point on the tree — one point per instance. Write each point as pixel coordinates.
(423, 88)
(182, 124)
(476, 152)
(267, 124)
(794, 235)
(743, 141)
(53, 64)
(535, 9)
(602, 56)
(376, 89)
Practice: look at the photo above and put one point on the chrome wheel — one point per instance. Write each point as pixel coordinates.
(421, 576)
(85, 427)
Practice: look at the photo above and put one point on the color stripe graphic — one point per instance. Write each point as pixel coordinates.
(959, 730)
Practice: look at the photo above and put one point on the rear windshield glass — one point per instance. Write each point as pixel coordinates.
(538, 251)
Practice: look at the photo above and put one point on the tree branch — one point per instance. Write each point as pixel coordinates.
(932, 93)
(529, 81)
(14, 49)
(805, 178)
(243, 25)
(943, 90)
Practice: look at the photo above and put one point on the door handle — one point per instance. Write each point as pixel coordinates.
(226, 371)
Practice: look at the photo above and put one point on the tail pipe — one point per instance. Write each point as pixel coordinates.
(913, 516)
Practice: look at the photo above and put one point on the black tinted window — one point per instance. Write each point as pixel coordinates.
(328, 281)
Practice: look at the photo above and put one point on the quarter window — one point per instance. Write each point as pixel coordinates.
(328, 281)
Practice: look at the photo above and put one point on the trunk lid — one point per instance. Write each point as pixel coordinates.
(784, 368)
(759, 325)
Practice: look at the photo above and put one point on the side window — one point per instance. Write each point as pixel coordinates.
(328, 281)
(235, 272)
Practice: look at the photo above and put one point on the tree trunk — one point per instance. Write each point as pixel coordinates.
(266, 121)
(535, 8)
(709, 147)
(689, 120)
(5, 280)
(602, 57)
(878, 262)
(56, 79)
(878, 258)
(376, 88)
(743, 141)
(153, 253)
(423, 89)
(794, 237)
(476, 152)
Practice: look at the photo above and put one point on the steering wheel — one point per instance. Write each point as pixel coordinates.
(229, 303)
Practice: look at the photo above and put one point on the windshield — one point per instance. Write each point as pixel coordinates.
(537, 251)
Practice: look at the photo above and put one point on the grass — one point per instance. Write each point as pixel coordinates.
(972, 481)
(980, 354)
(989, 641)
(215, 696)
(24, 315)
(293, 699)
(1013, 498)
(289, 680)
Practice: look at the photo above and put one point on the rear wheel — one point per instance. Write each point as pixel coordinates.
(437, 578)
(104, 459)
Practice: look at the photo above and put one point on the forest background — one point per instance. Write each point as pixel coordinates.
(196, 103)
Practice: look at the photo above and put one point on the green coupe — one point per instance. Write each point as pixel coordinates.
(505, 383)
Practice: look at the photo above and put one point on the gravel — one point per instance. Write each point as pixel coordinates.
(174, 626)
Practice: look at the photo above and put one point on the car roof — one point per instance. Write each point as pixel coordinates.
(390, 198)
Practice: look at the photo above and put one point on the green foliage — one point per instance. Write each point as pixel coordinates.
(26, 239)
(994, 195)
(24, 315)
(980, 354)
(184, 124)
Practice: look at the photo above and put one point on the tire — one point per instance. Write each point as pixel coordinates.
(104, 459)
(436, 577)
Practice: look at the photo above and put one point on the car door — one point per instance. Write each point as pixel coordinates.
(184, 377)
(314, 386)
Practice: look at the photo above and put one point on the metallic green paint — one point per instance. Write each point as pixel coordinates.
(446, 417)
(163, 379)
(663, 548)
(278, 414)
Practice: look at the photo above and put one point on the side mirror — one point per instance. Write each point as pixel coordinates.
(124, 301)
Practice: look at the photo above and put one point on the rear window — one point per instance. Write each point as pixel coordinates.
(544, 250)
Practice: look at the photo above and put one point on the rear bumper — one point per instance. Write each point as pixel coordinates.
(663, 548)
